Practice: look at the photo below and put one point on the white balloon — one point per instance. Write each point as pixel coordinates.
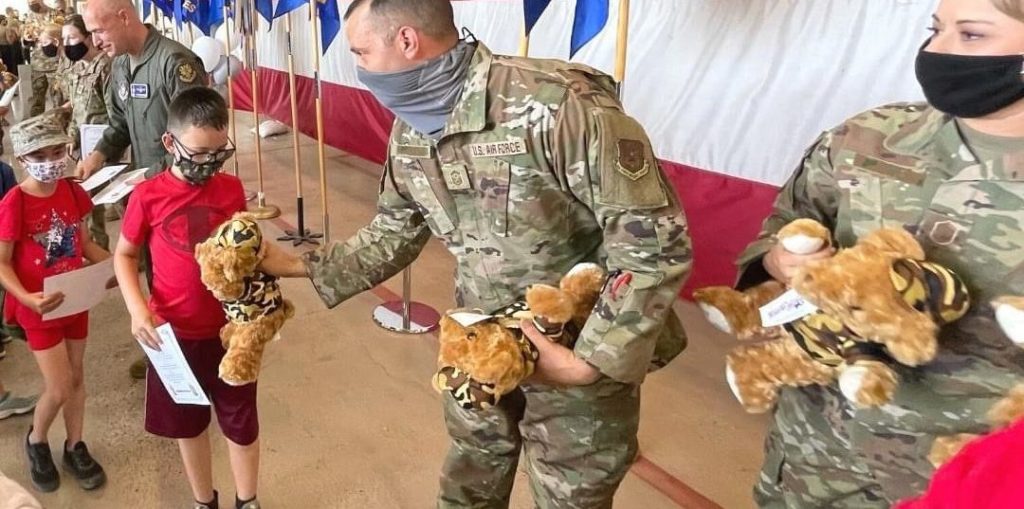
(228, 67)
(209, 50)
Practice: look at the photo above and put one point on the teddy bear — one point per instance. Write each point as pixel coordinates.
(484, 357)
(871, 304)
(1009, 314)
(251, 299)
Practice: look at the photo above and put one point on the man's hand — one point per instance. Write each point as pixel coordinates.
(43, 304)
(4, 110)
(88, 165)
(782, 264)
(144, 329)
(277, 262)
(557, 365)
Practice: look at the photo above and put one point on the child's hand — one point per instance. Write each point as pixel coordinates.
(144, 330)
(43, 304)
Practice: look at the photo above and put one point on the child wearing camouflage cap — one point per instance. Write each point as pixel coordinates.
(41, 235)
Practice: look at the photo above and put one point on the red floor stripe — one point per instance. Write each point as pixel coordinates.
(658, 478)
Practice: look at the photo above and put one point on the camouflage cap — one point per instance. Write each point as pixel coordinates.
(40, 131)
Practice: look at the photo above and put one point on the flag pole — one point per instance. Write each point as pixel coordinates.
(262, 210)
(621, 42)
(301, 234)
(320, 153)
(228, 27)
(524, 43)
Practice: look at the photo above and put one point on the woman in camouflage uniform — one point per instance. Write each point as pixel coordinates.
(950, 171)
(84, 85)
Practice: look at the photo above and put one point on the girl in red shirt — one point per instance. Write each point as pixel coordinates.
(41, 235)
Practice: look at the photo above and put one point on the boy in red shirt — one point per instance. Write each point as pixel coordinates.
(173, 212)
(41, 235)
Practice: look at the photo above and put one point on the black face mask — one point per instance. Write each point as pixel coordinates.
(970, 86)
(50, 51)
(75, 52)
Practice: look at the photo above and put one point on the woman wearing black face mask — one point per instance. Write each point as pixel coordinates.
(84, 84)
(951, 171)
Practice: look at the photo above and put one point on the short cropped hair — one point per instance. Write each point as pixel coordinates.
(434, 18)
(197, 107)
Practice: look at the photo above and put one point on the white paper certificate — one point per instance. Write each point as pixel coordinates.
(83, 288)
(101, 177)
(173, 370)
(119, 188)
(90, 134)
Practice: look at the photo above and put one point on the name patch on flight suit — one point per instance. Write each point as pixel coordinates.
(513, 147)
(140, 91)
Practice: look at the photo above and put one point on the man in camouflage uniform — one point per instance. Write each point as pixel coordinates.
(961, 192)
(530, 168)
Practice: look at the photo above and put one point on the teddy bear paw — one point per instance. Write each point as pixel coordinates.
(803, 244)
(1011, 320)
(868, 385)
(716, 317)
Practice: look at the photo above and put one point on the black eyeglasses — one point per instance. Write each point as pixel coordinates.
(218, 156)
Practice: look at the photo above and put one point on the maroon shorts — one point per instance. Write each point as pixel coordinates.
(45, 338)
(235, 406)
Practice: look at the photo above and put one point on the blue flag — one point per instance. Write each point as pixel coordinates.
(164, 6)
(286, 6)
(266, 9)
(146, 7)
(591, 17)
(330, 22)
(206, 15)
(532, 9)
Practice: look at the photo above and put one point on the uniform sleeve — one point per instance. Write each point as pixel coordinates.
(135, 224)
(811, 192)
(184, 71)
(116, 137)
(10, 216)
(392, 240)
(606, 159)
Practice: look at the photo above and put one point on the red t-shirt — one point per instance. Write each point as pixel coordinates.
(174, 216)
(47, 241)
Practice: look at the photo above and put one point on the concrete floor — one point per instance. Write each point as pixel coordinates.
(348, 417)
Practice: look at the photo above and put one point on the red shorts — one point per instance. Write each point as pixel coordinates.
(45, 338)
(235, 406)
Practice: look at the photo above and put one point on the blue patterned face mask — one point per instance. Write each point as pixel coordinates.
(425, 95)
(47, 172)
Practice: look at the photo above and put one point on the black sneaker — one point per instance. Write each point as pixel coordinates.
(41, 468)
(248, 504)
(80, 464)
(213, 504)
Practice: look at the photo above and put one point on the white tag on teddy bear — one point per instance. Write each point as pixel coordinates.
(788, 307)
(466, 319)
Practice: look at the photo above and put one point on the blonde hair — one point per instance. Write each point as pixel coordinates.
(1012, 8)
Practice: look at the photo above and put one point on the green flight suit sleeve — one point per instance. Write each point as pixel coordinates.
(381, 249)
(811, 192)
(183, 71)
(116, 137)
(606, 159)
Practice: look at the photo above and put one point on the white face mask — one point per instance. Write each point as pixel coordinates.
(47, 171)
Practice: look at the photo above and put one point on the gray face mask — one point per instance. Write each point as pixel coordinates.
(423, 96)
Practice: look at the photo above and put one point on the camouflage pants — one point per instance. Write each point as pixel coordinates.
(97, 222)
(11, 330)
(40, 91)
(579, 444)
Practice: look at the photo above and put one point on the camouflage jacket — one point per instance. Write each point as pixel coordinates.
(42, 64)
(538, 168)
(911, 166)
(86, 86)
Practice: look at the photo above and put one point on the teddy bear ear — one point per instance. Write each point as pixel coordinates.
(1010, 317)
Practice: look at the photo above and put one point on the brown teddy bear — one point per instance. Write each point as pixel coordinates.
(1009, 311)
(876, 302)
(484, 357)
(252, 300)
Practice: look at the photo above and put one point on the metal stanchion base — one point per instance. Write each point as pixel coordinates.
(422, 318)
(265, 212)
(297, 239)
